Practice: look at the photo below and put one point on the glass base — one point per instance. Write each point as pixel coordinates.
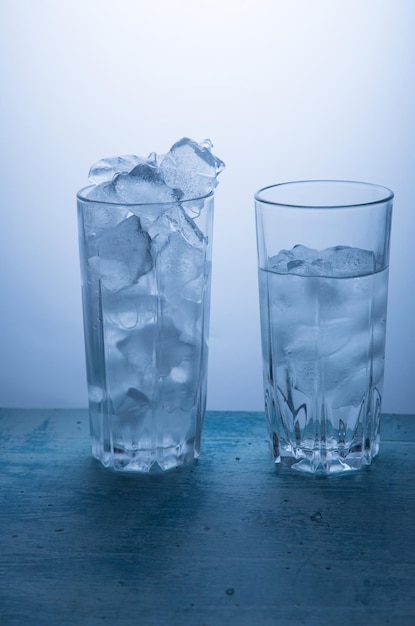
(166, 442)
(323, 461)
(148, 461)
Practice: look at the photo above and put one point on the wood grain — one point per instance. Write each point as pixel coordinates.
(229, 540)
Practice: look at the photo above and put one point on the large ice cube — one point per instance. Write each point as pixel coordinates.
(123, 255)
(140, 189)
(104, 170)
(191, 167)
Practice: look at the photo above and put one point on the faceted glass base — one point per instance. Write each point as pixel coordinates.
(148, 461)
(330, 459)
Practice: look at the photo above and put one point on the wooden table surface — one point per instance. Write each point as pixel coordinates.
(229, 540)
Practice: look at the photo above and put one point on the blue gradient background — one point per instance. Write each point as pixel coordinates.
(285, 89)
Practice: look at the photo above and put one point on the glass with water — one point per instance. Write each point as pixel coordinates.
(323, 257)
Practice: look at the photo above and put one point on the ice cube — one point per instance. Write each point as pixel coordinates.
(335, 334)
(150, 347)
(346, 304)
(140, 188)
(180, 386)
(123, 255)
(299, 342)
(101, 217)
(133, 181)
(186, 317)
(129, 425)
(181, 222)
(103, 192)
(346, 261)
(130, 309)
(132, 404)
(155, 158)
(115, 275)
(121, 375)
(147, 171)
(104, 170)
(304, 377)
(294, 261)
(351, 390)
(191, 167)
(137, 347)
(172, 350)
(194, 289)
(179, 263)
(351, 357)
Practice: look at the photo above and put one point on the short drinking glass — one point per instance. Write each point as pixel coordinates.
(323, 256)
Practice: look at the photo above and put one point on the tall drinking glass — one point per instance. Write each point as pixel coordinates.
(146, 292)
(323, 256)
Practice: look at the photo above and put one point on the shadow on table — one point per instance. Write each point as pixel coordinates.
(368, 514)
(134, 520)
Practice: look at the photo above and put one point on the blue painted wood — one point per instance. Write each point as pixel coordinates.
(229, 540)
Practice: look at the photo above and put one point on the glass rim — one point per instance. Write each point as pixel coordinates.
(388, 194)
(81, 196)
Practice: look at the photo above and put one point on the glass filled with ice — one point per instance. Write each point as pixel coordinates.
(145, 234)
(323, 256)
